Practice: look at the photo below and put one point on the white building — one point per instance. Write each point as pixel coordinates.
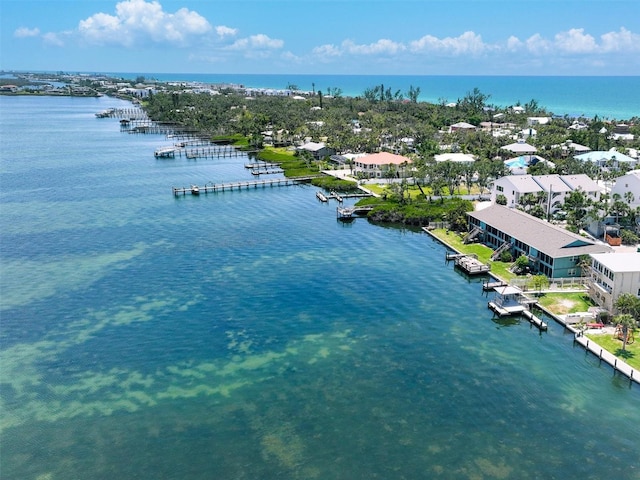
(628, 183)
(514, 187)
(613, 274)
(454, 157)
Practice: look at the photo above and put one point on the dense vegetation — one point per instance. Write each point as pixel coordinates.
(383, 120)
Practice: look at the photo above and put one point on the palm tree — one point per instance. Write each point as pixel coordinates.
(628, 303)
(626, 323)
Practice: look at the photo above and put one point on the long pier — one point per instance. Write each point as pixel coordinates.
(202, 152)
(245, 184)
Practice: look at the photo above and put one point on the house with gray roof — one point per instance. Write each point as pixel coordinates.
(318, 150)
(583, 182)
(552, 251)
(514, 187)
(555, 188)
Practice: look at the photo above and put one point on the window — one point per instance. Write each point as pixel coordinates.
(499, 188)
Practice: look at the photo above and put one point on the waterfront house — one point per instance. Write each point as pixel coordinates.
(613, 274)
(552, 251)
(318, 150)
(379, 165)
(8, 88)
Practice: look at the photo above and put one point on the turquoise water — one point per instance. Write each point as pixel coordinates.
(607, 97)
(249, 334)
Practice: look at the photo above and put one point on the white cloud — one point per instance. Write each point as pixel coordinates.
(575, 41)
(327, 51)
(620, 41)
(24, 32)
(536, 44)
(257, 42)
(514, 44)
(53, 39)
(224, 31)
(139, 20)
(381, 47)
(467, 43)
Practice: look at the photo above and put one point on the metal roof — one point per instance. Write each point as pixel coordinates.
(543, 236)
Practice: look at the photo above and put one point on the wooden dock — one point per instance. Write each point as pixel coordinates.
(266, 171)
(488, 286)
(471, 265)
(248, 184)
(346, 213)
(339, 197)
(535, 320)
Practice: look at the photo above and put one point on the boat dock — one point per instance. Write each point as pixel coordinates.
(346, 213)
(507, 301)
(488, 286)
(221, 187)
(535, 320)
(468, 263)
(204, 152)
(266, 171)
(339, 196)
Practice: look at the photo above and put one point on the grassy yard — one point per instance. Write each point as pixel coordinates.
(453, 239)
(632, 353)
(563, 303)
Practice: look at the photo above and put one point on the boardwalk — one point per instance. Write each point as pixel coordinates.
(245, 184)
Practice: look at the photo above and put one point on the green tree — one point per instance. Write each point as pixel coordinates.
(539, 282)
(626, 323)
(584, 264)
(522, 263)
(628, 303)
(413, 93)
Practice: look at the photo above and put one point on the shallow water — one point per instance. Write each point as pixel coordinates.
(249, 334)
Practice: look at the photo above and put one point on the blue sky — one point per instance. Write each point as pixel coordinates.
(412, 37)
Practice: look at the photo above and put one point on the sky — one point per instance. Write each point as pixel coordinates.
(351, 37)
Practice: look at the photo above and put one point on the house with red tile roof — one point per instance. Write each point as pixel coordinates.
(380, 165)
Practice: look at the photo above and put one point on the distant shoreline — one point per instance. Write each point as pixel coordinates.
(605, 97)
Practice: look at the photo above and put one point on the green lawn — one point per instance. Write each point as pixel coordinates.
(632, 353)
(563, 303)
(453, 239)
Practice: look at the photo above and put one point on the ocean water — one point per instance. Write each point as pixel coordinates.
(613, 98)
(249, 334)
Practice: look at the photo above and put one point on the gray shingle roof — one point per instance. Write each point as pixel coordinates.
(543, 236)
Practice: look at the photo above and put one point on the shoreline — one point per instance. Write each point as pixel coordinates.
(590, 345)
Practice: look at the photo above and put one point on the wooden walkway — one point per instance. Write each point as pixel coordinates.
(346, 213)
(221, 187)
(535, 320)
